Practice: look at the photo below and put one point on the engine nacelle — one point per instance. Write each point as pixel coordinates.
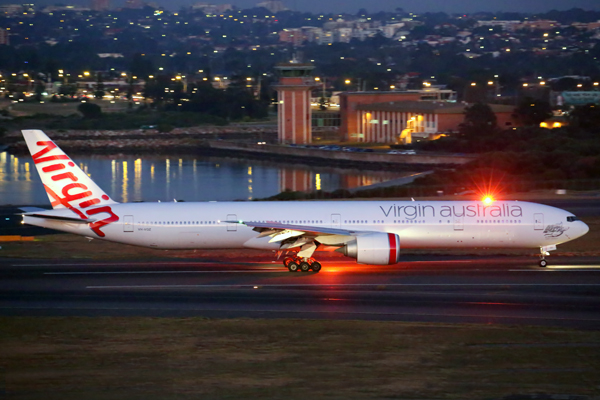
(374, 248)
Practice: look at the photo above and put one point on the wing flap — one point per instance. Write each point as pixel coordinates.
(270, 228)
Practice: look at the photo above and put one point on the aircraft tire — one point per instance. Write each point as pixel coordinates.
(304, 266)
(316, 266)
(543, 263)
(292, 266)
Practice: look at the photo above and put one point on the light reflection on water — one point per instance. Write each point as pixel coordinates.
(131, 178)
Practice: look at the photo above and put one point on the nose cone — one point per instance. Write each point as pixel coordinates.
(582, 228)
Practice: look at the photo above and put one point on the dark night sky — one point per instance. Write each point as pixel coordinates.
(419, 6)
(448, 6)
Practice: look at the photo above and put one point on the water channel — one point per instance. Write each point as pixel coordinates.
(128, 178)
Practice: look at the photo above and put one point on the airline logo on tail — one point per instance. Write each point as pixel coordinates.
(66, 184)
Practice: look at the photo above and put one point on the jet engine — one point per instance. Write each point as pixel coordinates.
(374, 248)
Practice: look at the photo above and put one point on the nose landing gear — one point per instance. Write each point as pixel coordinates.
(294, 264)
(544, 251)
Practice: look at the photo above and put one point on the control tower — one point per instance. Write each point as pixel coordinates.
(294, 112)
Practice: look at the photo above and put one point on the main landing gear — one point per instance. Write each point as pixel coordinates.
(295, 264)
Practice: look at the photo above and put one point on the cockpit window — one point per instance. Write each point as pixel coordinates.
(572, 218)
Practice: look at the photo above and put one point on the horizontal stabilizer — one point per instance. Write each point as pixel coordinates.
(32, 209)
(61, 218)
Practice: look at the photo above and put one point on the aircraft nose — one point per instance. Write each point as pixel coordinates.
(584, 228)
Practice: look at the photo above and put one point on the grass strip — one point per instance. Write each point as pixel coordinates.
(191, 358)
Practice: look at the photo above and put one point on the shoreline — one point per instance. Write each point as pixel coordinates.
(235, 142)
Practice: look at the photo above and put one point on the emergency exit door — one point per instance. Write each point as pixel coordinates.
(336, 220)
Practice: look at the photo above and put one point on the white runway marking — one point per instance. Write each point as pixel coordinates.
(126, 264)
(560, 268)
(326, 285)
(262, 271)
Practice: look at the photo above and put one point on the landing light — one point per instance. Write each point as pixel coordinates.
(488, 200)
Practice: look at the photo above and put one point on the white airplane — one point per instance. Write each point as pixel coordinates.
(372, 232)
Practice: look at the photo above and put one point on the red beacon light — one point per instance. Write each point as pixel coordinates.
(487, 200)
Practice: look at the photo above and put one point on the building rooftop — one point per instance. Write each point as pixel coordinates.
(435, 107)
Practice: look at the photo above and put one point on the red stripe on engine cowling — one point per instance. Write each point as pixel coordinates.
(393, 248)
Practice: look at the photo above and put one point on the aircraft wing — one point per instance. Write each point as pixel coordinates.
(304, 237)
(307, 229)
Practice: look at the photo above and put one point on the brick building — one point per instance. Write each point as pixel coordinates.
(4, 38)
(392, 117)
(100, 5)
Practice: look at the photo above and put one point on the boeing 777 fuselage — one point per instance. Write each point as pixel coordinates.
(372, 232)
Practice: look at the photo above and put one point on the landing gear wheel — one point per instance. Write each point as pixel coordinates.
(543, 263)
(304, 266)
(287, 260)
(316, 266)
(292, 266)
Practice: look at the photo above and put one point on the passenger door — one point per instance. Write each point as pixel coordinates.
(232, 227)
(128, 223)
(458, 223)
(538, 222)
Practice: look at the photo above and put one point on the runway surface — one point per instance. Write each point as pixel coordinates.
(493, 290)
